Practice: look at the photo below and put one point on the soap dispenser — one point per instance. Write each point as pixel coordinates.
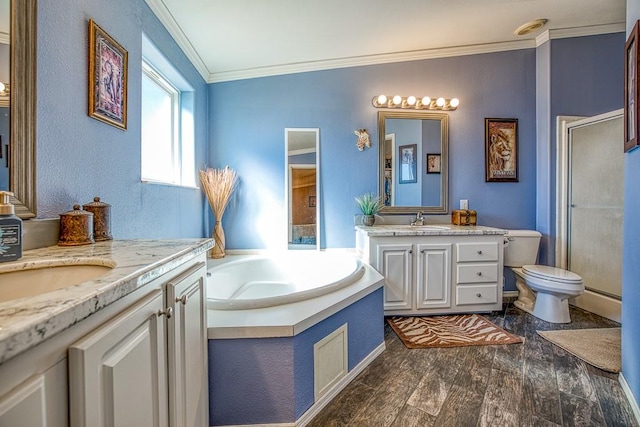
(10, 230)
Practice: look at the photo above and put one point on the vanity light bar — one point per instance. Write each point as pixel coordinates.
(412, 102)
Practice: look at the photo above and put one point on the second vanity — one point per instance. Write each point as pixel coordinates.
(436, 269)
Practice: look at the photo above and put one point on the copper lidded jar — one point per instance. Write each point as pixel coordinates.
(101, 219)
(76, 227)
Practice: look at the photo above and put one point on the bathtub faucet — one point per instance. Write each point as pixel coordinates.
(419, 219)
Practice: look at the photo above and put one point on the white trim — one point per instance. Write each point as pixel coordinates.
(602, 305)
(593, 30)
(331, 394)
(509, 294)
(630, 397)
(166, 18)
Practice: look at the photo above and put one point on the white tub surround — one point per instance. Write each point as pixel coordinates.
(436, 269)
(288, 319)
(26, 322)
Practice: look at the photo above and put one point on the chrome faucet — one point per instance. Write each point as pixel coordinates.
(419, 219)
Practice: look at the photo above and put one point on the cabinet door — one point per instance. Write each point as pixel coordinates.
(25, 405)
(394, 263)
(117, 374)
(187, 355)
(433, 276)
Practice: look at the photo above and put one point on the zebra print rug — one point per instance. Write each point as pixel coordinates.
(450, 331)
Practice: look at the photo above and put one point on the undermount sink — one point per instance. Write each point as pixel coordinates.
(46, 276)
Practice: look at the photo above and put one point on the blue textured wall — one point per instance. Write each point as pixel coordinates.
(79, 157)
(631, 254)
(270, 380)
(248, 118)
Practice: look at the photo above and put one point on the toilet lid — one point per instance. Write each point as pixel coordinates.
(551, 273)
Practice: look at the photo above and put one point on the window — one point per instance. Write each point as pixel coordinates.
(167, 152)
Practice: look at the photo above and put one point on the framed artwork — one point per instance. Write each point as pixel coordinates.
(501, 150)
(107, 78)
(433, 163)
(312, 201)
(631, 66)
(407, 156)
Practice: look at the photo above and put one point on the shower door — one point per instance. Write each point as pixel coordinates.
(595, 198)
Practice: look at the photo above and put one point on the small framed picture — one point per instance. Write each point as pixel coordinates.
(501, 150)
(433, 163)
(312, 201)
(632, 68)
(107, 78)
(407, 156)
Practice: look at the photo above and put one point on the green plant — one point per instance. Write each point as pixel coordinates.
(369, 203)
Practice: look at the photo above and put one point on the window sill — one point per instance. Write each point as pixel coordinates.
(169, 184)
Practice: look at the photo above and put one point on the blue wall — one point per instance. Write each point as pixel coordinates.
(79, 157)
(247, 119)
(631, 254)
(271, 380)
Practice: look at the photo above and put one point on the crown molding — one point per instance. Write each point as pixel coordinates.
(166, 18)
(593, 30)
(358, 61)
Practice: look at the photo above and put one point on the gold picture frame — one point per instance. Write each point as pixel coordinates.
(108, 66)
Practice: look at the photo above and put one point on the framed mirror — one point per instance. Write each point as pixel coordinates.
(413, 171)
(19, 152)
(302, 148)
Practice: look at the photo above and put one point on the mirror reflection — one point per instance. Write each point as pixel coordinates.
(413, 159)
(302, 148)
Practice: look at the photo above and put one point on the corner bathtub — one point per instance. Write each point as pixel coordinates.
(270, 280)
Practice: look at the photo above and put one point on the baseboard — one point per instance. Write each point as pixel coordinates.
(599, 304)
(328, 397)
(630, 397)
(509, 294)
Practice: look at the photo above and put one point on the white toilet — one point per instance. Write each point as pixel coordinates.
(551, 286)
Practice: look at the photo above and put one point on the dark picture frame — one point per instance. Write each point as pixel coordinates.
(433, 162)
(312, 201)
(108, 67)
(407, 159)
(631, 78)
(501, 150)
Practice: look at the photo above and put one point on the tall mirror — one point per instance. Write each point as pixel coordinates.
(302, 148)
(18, 102)
(413, 161)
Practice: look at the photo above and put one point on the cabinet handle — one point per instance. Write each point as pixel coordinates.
(411, 251)
(183, 299)
(479, 295)
(166, 312)
(479, 273)
(479, 252)
(422, 251)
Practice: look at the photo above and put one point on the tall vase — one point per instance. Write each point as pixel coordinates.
(218, 237)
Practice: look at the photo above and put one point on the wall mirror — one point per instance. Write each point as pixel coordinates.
(413, 161)
(18, 116)
(302, 149)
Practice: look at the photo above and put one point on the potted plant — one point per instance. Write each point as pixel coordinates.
(370, 205)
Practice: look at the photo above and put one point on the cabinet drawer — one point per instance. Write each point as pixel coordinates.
(477, 294)
(487, 251)
(477, 273)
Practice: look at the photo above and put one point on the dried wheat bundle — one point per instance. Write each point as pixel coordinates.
(218, 184)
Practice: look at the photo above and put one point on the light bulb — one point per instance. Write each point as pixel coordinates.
(382, 99)
(454, 102)
(440, 102)
(426, 101)
(397, 100)
(411, 100)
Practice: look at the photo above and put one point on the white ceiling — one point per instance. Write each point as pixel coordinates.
(235, 39)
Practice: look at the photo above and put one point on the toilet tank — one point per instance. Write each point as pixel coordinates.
(522, 247)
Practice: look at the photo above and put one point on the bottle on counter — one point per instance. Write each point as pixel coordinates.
(10, 230)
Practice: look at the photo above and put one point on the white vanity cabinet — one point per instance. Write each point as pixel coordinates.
(449, 271)
(147, 366)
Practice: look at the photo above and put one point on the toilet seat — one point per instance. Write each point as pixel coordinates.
(552, 274)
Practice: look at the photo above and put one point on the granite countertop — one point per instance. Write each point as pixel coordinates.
(429, 230)
(25, 322)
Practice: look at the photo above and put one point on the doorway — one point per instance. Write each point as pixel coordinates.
(590, 208)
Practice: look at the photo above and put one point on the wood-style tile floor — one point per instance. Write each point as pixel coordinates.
(530, 384)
